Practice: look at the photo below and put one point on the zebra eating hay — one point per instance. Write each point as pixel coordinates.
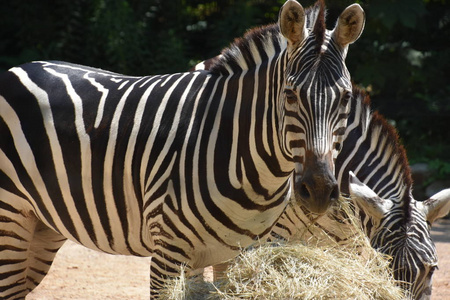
(372, 168)
(186, 168)
(395, 223)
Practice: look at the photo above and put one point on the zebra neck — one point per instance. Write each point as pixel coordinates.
(253, 65)
(250, 126)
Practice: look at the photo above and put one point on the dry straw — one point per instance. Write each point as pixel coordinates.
(300, 270)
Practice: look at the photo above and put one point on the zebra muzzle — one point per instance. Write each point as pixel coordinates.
(317, 188)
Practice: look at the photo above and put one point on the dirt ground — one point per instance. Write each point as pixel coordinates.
(80, 273)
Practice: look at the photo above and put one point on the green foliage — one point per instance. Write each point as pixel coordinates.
(441, 168)
(402, 58)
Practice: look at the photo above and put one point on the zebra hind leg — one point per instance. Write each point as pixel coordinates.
(27, 250)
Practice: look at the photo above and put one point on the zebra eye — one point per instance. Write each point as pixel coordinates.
(291, 97)
(337, 146)
(346, 98)
(432, 270)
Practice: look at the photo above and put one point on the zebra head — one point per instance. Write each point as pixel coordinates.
(402, 231)
(315, 96)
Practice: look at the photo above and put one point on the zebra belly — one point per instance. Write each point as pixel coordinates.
(200, 238)
(112, 236)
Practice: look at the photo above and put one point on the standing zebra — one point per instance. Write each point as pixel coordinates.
(395, 223)
(186, 168)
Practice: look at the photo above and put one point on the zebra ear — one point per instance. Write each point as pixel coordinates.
(367, 199)
(292, 22)
(438, 206)
(349, 25)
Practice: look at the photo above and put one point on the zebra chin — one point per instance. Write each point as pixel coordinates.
(316, 189)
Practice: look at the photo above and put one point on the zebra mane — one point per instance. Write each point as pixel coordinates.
(240, 55)
(392, 136)
(388, 131)
(372, 150)
(266, 41)
(315, 16)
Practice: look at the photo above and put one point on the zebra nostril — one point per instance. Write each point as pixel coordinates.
(334, 195)
(304, 191)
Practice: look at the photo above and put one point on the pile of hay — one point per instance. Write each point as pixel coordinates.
(297, 271)
(294, 271)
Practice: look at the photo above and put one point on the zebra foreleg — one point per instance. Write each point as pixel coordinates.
(160, 272)
(43, 248)
(219, 271)
(27, 250)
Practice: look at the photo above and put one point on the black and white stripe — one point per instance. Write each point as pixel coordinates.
(372, 167)
(371, 151)
(186, 168)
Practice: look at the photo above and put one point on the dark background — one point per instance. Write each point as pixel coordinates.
(402, 58)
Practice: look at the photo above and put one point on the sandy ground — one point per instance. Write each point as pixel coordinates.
(441, 279)
(80, 273)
